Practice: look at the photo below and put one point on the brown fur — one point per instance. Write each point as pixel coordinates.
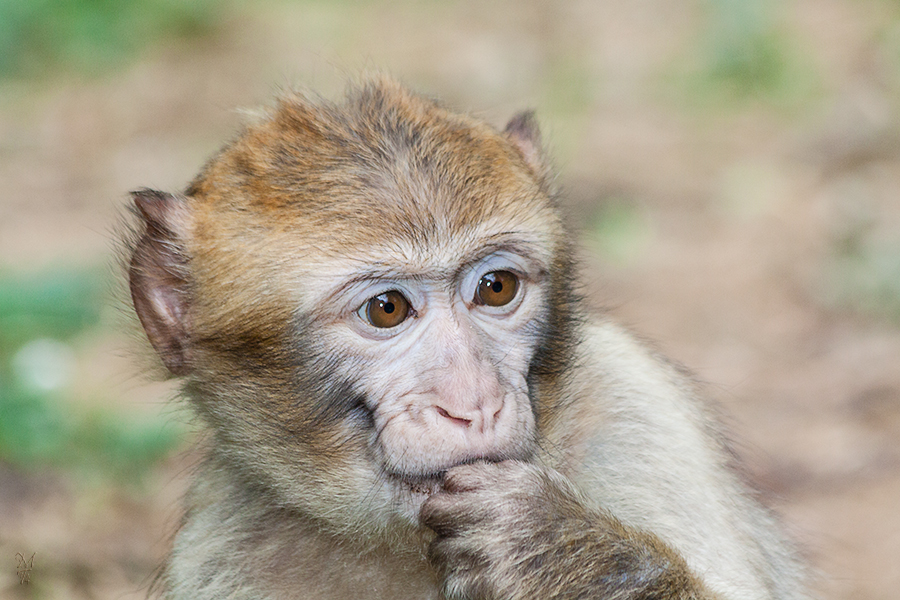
(618, 489)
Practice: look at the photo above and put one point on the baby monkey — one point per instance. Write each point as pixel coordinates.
(371, 306)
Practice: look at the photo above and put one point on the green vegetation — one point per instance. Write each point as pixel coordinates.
(619, 231)
(865, 277)
(91, 36)
(745, 49)
(745, 54)
(41, 317)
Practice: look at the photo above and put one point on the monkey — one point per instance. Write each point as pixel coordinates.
(372, 305)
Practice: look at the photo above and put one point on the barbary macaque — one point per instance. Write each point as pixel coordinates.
(371, 306)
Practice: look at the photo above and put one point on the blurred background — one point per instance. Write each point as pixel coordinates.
(732, 168)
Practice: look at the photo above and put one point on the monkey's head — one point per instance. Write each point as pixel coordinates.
(361, 296)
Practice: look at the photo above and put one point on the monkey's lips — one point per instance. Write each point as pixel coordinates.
(409, 493)
(425, 485)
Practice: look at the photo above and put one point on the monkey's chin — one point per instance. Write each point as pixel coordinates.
(411, 492)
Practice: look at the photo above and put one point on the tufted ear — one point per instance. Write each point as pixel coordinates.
(523, 131)
(158, 276)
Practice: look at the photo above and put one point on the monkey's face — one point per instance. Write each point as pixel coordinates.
(360, 300)
(376, 368)
(439, 356)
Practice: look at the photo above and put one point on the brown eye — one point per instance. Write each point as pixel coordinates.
(387, 310)
(496, 288)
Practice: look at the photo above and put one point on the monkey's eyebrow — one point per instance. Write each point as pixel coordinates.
(372, 273)
(508, 241)
(505, 242)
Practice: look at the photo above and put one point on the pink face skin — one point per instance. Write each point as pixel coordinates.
(446, 385)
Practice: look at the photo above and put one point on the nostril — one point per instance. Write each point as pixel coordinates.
(459, 421)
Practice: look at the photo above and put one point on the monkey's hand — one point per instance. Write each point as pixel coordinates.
(516, 531)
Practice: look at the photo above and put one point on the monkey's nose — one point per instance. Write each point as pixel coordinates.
(477, 419)
(462, 422)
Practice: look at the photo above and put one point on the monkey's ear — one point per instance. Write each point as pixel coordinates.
(158, 276)
(523, 131)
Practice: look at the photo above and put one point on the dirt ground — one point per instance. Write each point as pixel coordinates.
(732, 216)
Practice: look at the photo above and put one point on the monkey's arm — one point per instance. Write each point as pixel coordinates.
(518, 531)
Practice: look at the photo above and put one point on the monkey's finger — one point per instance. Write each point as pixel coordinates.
(455, 514)
(438, 515)
(470, 477)
(457, 561)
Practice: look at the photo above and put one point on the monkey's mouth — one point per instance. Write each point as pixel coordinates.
(419, 484)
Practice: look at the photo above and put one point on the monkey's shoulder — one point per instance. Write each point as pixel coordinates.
(649, 448)
(617, 370)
